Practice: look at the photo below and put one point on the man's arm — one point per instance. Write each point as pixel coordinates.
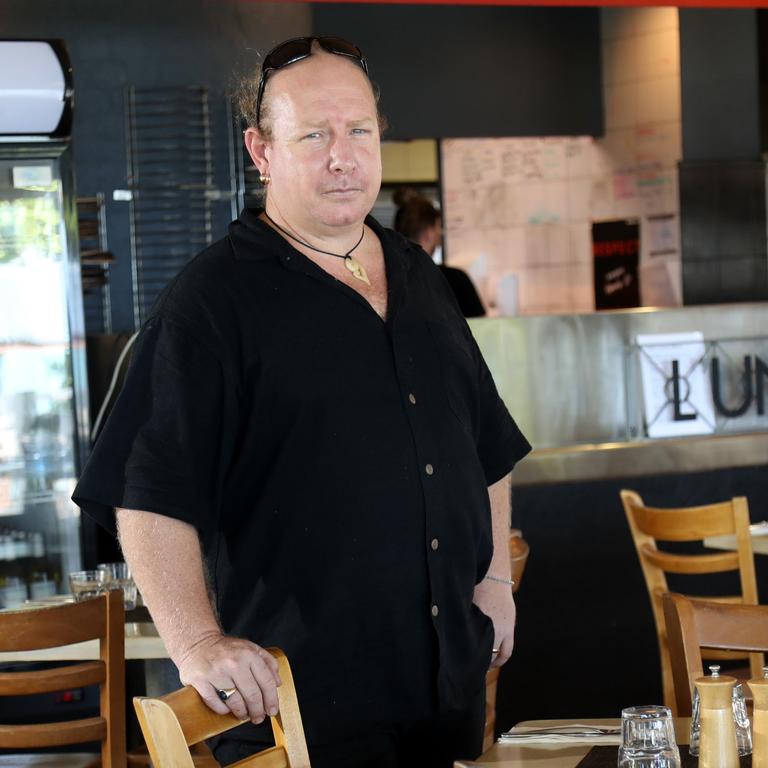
(492, 597)
(165, 560)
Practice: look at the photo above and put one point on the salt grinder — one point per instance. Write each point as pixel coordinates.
(717, 747)
(759, 688)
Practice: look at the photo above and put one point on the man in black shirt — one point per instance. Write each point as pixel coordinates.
(308, 421)
(418, 220)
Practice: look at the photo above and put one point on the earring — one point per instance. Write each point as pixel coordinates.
(265, 178)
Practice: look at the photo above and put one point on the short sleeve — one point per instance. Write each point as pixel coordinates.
(500, 443)
(166, 443)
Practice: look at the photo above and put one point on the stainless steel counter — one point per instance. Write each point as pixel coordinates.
(564, 379)
(648, 457)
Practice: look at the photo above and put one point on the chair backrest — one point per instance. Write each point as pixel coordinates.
(100, 618)
(172, 723)
(518, 556)
(688, 524)
(693, 625)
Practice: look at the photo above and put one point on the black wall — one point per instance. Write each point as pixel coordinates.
(478, 71)
(722, 175)
(147, 44)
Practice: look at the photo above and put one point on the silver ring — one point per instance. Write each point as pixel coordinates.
(225, 693)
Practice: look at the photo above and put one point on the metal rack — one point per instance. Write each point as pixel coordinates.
(170, 175)
(95, 260)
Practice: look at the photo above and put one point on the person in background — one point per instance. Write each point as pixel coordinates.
(309, 452)
(419, 221)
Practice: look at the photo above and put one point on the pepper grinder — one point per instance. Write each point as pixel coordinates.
(759, 688)
(717, 746)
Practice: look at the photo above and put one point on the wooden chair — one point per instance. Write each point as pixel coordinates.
(685, 524)
(694, 626)
(518, 556)
(172, 723)
(99, 618)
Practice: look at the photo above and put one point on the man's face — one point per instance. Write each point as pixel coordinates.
(324, 157)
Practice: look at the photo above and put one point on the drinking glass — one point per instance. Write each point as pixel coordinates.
(87, 584)
(648, 738)
(119, 577)
(13, 593)
(41, 586)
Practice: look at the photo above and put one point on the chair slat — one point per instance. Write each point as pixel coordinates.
(56, 679)
(685, 523)
(53, 626)
(692, 564)
(52, 734)
(197, 723)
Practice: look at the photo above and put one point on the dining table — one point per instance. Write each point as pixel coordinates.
(562, 753)
(758, 533)
(142, 643)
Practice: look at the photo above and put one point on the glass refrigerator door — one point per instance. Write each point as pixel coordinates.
(39, 526)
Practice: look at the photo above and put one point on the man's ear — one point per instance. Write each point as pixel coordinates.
(256, 145)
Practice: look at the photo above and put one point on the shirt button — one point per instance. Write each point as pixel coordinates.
(434, 544)
(429, 469)
(435, 610)
(412, 398)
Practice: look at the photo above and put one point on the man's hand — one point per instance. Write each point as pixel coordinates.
(165, 559)
(495, 601)
(219, 663)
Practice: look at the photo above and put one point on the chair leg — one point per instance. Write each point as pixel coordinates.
(491, 686)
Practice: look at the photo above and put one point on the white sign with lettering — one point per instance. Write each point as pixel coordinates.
(677, 398)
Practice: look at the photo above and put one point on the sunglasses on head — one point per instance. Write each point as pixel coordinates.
(299, 48)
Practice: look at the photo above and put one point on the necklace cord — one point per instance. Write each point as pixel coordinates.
(312, 247)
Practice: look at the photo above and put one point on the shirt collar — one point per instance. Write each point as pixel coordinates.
(253, 239)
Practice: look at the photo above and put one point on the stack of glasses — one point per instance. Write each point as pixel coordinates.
(87, 584)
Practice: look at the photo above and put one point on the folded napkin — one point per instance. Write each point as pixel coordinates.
(576, 732)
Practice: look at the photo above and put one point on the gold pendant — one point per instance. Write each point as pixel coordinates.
(357, 269)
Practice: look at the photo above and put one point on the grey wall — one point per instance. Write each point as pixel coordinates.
(463, 71)
(722, 174)
(143, 43)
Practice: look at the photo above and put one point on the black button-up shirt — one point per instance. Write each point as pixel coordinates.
(335, 464)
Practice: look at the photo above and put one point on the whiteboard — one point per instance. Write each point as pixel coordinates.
(517, 214)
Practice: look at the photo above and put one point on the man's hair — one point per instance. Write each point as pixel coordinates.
(246, 91)
(415, 213)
